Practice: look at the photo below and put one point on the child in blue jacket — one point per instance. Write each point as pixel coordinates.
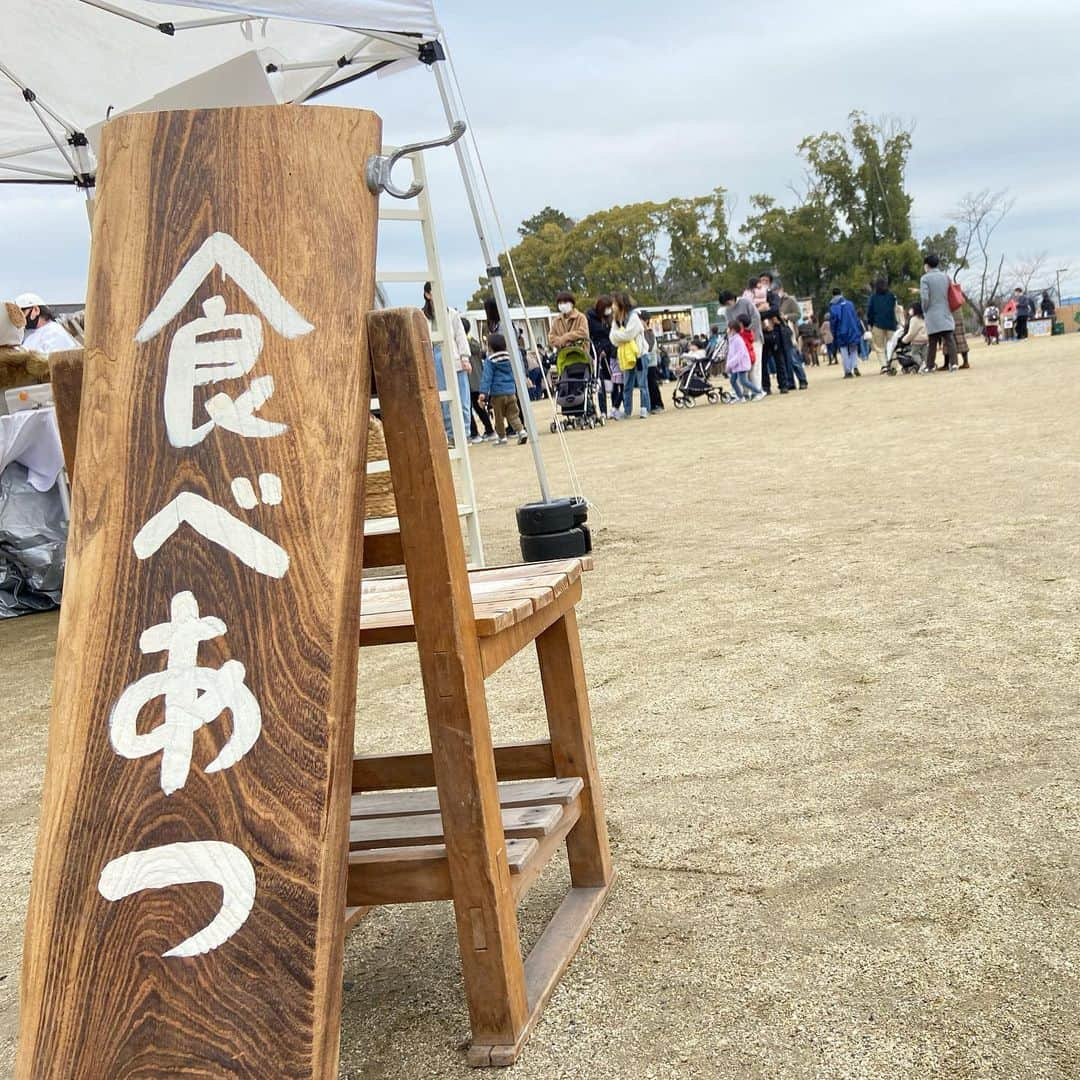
(497, 387)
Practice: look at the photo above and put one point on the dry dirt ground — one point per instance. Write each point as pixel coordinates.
(833, 654)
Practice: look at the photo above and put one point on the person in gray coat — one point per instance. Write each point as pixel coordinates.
(940, 324)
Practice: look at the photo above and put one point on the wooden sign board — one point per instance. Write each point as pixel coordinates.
(188, 895)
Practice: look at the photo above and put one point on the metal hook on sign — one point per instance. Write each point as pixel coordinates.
(380, 166)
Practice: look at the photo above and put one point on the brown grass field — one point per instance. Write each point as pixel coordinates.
(833, 650)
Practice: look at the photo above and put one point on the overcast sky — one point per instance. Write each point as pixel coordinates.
(586, 106)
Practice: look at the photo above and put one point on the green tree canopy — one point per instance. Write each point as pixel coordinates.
(548, 216)
(849, 225)
(659, 252)
(852, 224)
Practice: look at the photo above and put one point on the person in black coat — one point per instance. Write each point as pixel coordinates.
(775, 347)
(1024, 311)
(599, 318)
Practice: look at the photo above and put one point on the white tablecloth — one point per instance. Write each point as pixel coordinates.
(32, 438)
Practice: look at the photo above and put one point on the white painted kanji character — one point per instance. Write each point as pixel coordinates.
(185, 864)
(219, 346)
(216, 524)
(211, 350)
(194, 696)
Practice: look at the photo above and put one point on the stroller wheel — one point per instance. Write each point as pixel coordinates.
(688, 402)
(677, 401)
(554, 427)
(713, 396)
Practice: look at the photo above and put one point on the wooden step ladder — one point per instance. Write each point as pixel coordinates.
(472, 840)
(420, 213)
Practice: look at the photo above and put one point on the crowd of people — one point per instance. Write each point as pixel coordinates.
(766, 347)
(1010, 322)
(782, 342)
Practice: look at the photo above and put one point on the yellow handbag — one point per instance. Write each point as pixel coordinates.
(628, 356)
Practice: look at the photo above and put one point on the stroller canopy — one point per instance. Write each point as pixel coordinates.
(570, 356)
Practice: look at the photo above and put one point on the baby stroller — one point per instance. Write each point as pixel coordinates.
(897, 352)
(694, 382)
(575, 388)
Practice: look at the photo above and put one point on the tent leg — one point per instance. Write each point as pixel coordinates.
(468, 175)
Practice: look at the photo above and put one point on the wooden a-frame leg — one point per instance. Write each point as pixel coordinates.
(450, 664)
(566, 695)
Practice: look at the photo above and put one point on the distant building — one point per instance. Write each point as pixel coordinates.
(539, 319)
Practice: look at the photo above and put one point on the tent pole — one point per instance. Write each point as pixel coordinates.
(468, 175)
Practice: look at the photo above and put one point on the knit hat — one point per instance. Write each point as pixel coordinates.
(12, 323)
(29, 300)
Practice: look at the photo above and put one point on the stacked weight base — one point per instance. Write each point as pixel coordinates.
(554, 530)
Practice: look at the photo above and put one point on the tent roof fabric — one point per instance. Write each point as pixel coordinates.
(400, 16)
(66, 65)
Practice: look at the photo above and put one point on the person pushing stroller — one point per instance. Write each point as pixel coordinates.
(569, 327)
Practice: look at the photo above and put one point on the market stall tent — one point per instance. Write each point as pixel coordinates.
(70, 64)
(141, 55)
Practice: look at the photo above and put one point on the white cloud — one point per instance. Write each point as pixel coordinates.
(620, 102)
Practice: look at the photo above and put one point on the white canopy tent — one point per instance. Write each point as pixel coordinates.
(69, 65)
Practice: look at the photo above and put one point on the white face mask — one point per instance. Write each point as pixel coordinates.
(566, 308)
(607, 313)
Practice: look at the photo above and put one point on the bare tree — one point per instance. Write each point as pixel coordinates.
(1027, 269)
(977, 217)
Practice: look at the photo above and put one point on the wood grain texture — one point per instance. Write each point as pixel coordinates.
(497, 650)
(66, 376)
(416, 875)
(377, 804)
(99, 1000)
(453, 678)
(566, 696)
(380, 548)
(386, 772)
(518, 822)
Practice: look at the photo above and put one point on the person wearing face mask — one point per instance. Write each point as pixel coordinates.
(43, 333)
(607, 369)
(18, 365)
(569, 327)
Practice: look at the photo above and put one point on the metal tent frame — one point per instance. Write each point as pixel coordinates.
(67, 157)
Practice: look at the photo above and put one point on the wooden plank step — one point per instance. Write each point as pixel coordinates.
(414, 875)
(388, 772)
(567, 569)
(506, 594)
(382, 804)
(519, 822)
(396, 626)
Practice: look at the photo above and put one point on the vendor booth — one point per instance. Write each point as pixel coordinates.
(210, 829)
(140, 55)
(33, 511)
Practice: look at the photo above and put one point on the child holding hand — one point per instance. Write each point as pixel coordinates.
(739, 361)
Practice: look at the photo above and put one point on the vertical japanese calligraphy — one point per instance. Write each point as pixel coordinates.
(208, 350)
(188, 893)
